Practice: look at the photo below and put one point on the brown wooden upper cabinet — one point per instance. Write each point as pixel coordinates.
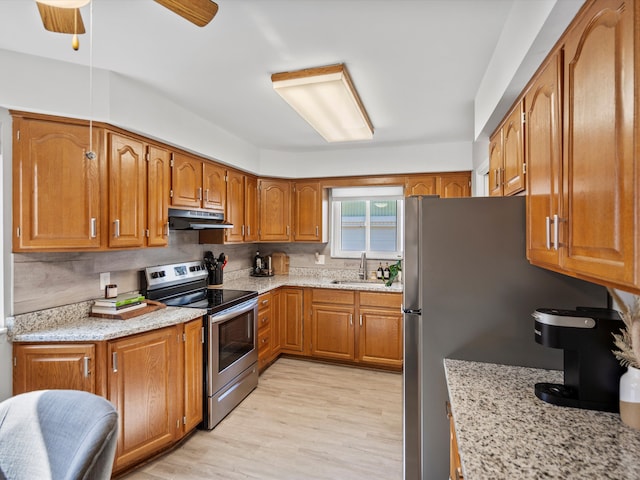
(158, 193)
(56, 188)
(197, 183)
(421, 185)
(447, 185)
(506, 155)
(455, 185)
(309, 212)
(275, 210)
(242, 208)
(127, 191)
(590, 229)
(544, 159)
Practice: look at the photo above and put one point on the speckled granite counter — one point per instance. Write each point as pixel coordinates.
(505, 432)
(72, 323)
(264, 284)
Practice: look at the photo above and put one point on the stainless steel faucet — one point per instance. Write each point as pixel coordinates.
(362, 271)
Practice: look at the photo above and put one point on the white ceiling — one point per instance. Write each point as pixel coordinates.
(417, 64)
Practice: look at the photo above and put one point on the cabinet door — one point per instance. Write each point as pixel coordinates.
(380, 336)
(186, 181)
(64, 366)
(544, 162)
(215, 187)
(235, 207)
(251, 209)
(275, 213)
(513, 153)
(332, 331)
(291, 320)
(495, 164)
(421, 185)
(143, 385)
(307, 220)
(127, 191)
(455, 185)
(56, 188)
(158, 188)
(600, 172)
(193, 374)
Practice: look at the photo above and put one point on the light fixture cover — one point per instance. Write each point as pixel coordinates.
(326, 98)
(65, 3)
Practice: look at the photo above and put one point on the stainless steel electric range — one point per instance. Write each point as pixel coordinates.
(230, 332)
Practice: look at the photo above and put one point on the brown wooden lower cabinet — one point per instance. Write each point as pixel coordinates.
(455, 465)
(361, 328)
(154, 379)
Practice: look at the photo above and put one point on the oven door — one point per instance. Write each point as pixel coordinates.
(232, 344)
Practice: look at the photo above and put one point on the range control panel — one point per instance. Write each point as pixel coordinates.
(176, 273)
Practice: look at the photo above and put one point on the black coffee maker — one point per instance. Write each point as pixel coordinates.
(591, 371)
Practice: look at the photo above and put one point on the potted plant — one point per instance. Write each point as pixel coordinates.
(628, 354)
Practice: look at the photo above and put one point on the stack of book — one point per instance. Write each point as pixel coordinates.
(125, 302)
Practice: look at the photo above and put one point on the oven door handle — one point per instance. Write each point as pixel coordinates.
(233, 311)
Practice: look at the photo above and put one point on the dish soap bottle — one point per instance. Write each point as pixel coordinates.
(380, 272)
(387, 272)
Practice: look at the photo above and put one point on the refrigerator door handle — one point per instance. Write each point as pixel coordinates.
(412, 311)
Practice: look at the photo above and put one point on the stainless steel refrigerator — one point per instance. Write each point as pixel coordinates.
(469, 292)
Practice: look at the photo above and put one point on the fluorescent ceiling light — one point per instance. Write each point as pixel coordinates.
(326, 98)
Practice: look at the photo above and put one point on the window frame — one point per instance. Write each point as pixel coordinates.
(335, 222)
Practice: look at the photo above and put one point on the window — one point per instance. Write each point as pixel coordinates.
(367, 219)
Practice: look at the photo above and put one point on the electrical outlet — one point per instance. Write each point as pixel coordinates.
(105, 279)
(319, 259)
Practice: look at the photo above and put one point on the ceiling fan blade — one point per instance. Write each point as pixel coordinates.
(61, 20)
(198, 12)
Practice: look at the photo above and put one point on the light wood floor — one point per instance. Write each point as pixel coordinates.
(305, 420)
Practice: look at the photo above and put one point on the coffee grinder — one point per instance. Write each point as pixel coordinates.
(591, 371)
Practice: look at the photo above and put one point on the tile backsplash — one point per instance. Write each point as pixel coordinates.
(46, 280)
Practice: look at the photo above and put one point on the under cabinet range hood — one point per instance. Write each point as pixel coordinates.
(196, 220)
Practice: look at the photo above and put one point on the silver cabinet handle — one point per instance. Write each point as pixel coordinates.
(243, 230)
(114, 362)
(351, 319)
(317, 231)
(200, 193)
(93, 225)
(86, 367)
(555, 231)
(202, 335)
(288, 230)
(206, 195)
(360, 319)
(166, 229)
(116, 225)
(248, 229)
(548, 225)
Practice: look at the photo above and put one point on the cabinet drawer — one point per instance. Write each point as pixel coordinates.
(374, 299)
(326, 295)
(264, 301)
(264, 343)
(264, 320)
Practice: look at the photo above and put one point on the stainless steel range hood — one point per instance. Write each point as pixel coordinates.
(196, 220)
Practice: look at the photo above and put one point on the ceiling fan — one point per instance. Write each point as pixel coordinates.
(63, 16)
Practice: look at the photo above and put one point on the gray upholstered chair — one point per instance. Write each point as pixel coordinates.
(57, 435)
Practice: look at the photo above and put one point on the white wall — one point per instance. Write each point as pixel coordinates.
(43, 85)
(6, 372)
(439, 157)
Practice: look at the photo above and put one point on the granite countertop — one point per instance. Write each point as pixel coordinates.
(73, 323)
(264, 284)
(504, 431)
